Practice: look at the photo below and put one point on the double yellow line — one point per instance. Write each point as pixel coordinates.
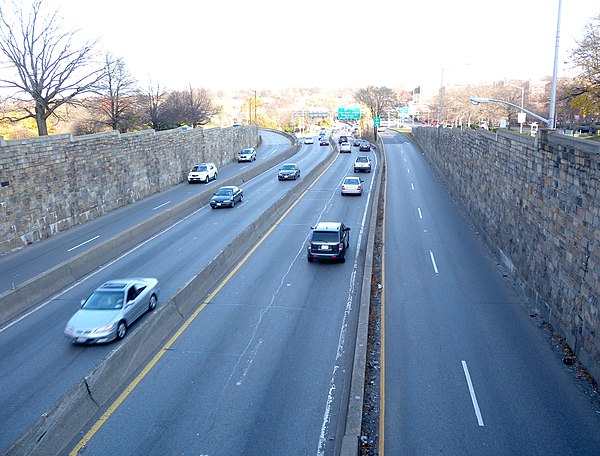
(115, 405)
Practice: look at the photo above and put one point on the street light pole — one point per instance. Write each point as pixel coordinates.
(255, 107)
(522, 103)
(441, 118)
(477, 100)
(552, 114)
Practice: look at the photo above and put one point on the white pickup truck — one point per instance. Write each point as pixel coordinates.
(248, 154)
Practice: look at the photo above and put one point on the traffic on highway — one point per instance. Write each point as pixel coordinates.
(261, 337)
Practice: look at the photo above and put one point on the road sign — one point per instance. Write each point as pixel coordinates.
(376, 121)
(348, 113)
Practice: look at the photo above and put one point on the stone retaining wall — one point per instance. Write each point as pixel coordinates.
(51, 183)
(537, 203)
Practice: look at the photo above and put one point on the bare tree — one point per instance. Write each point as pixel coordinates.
(585, 92)
(200, 107)
(377, 99)
(49, 70)
(115, 106)
(191, 107)
(152, 106)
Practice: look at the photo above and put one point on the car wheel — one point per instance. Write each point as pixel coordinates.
(215, 178)
(152, 303)
(343, 259)
(121, 329)
(310, 259)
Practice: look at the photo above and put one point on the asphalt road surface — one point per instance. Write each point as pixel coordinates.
(262, 368)
(465, 369)
(39, 364)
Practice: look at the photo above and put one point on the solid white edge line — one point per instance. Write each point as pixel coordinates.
(83, 243)
(472, 392)
(342, 337)
(433, 262)
(163, 204)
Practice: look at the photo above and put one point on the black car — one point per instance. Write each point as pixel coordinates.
(328, 241)
(226, 196)
(364, 146)
(288, 171)
(356, 142)
(342, 139)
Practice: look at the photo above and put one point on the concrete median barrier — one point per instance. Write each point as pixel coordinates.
(66, 419)
(25, 296)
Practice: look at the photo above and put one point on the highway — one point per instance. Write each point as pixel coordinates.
(465, 368)
(262, 368)
(39, 364)
(21, 265)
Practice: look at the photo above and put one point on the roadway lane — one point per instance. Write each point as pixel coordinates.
(465, 369)
(21, 265)
(39, 365)
(262, 368)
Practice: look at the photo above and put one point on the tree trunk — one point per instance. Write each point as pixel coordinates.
(40, 119)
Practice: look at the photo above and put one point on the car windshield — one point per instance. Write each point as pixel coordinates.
(224, 192)
(351, 181)
(104, 300)
(325, 236)
(361, 159)
(201, 168)
(288, 167)
(247, 151)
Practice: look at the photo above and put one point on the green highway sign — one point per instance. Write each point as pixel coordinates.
(376, 121)
(348, 113)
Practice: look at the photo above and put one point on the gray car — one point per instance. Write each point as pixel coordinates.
(227, 196)
(111, 309)
(288, 171)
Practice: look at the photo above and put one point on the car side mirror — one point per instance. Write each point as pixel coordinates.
(347, 229)
(362, 180)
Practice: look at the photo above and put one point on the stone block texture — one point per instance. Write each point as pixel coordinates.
(51, 183)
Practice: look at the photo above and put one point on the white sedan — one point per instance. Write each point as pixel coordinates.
(351, 186)
(309, 140)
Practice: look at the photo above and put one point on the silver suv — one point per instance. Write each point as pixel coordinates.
(362, 163)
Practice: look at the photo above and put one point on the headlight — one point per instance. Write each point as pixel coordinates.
(104, 328)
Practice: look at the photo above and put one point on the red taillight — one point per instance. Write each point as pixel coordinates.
(340, 246)
(343, 187)
(358, 188)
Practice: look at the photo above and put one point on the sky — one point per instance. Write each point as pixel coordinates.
(271, 44)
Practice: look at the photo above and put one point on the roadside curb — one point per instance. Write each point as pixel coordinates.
(351, 439)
